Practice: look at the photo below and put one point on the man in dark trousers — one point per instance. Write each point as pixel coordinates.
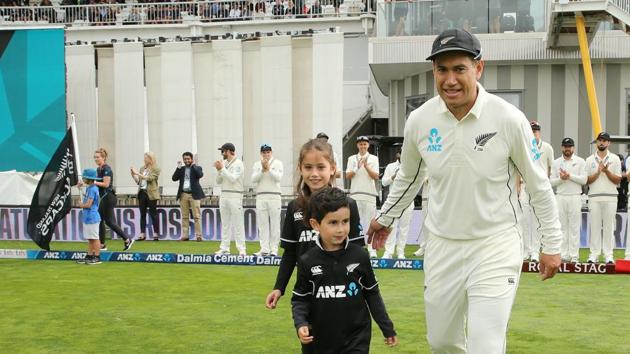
(189, 193)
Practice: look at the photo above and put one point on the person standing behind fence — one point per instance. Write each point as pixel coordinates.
(400, 227)
(568, 175)
(604, 174)
(362, 171)
(148, 194)
(108, 200)
(189, 194)
(267, 174)
(230, 178)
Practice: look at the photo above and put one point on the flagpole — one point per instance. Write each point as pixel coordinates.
(75, 143)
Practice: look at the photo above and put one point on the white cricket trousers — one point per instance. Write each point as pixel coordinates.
(367, 211)
(268, 220)
(400, 232)
(602, 217)
(469, 290)
(570, 211)
(529, 225)
(232, 223)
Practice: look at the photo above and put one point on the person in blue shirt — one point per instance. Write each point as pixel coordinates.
(90, 217)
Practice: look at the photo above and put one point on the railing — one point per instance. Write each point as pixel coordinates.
(430, 17)
(622, 4)
(179, 12)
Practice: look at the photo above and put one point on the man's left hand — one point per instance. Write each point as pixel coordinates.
(549, 265)
(377, 234)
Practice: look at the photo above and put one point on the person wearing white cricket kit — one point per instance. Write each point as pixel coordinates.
(604, 174)
(568, 175)
(230, 178)
(473, 144)
(267, 174)
(401, 226)
(531, 237)
(362, 172)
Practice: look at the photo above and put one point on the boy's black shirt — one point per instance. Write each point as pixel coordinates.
(334, 294)
(297, 238)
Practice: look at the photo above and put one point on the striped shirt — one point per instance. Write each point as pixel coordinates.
(472, 164)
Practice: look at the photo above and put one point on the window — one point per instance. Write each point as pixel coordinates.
(512, 96)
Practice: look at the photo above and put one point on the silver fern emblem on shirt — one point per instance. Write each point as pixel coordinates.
(482, 140)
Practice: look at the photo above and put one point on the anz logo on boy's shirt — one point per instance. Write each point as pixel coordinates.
(435, 141)
(337, 291)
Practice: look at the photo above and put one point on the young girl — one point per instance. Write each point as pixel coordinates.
(90, 217)
(148, 194)
(108, 200)
(317, 170)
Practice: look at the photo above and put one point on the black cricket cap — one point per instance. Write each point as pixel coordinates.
(456, 40)
(568, 142)
(322, 135)
(227, 146)
(363, 138)
(265, 147)
(535, 125)
(603, 136)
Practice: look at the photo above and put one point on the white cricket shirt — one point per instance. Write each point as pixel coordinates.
(230, 177)
(603, 190)
(362, 186)
(472, 165)
(268, 183)
(576, 167)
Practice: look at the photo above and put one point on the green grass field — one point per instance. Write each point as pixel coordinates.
(63, 307)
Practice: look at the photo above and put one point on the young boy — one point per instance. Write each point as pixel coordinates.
(90, 217)
(336, 290)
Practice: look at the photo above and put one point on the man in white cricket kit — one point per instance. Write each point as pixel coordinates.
(362, 172)
(230, 178)
(400, 227)
(267, 174)
(473, 144)
(604, 174)
(568, 175)
(531, 236)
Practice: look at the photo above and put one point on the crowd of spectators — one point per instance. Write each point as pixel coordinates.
(110, 12)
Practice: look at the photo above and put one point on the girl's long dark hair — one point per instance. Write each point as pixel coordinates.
(302, 190)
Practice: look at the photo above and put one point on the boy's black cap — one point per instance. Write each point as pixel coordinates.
(568, 142)
(456, 40)
(228, 146)
(603, 136)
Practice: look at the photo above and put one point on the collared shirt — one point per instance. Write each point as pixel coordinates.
(186, 187)
(576, 167)
(602, 189)
(472, 164)
(268, 182)
(362, 186)
(230, 178)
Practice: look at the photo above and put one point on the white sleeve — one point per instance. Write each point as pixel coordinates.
(373, 164)
(276, 170)
(580, 177)
(257, 172)
(555, 174)
(408, 180)
(387, 176)
(524, 153)
(352, 164)
(616, 166)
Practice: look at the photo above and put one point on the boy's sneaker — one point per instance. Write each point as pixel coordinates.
(103, 247)
(221, 252)
(129, 244)
(84, 260)
(94, 260)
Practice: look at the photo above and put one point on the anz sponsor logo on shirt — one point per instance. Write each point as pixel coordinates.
(308, 236)
(435, 141)
(535, 151)
(337, 291)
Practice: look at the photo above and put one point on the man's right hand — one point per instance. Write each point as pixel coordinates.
(303, 334)
(272, 299)
(377, 234)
